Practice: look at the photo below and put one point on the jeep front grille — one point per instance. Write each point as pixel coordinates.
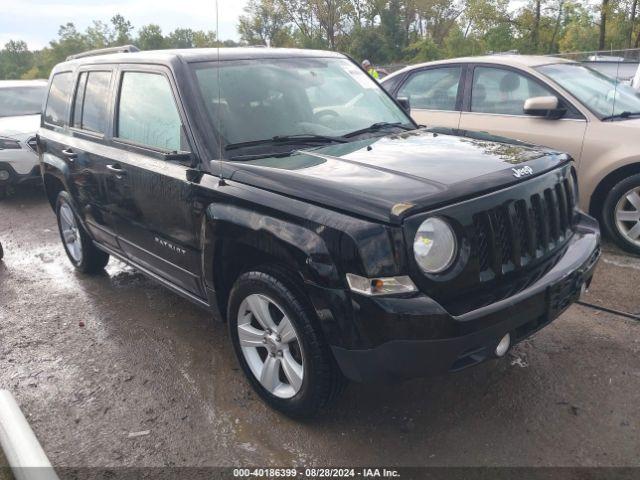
(513, 234)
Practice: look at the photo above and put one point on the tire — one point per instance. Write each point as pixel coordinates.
(295, 395)
(82, 253)
(618, 207)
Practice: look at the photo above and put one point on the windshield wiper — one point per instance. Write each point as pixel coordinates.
(622, 115)
(379, 126)
(283, 139)
(257, 156)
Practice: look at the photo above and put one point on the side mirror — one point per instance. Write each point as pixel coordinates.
(404, 103)
(546, 107)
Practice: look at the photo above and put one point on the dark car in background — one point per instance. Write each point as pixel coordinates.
(335, 237)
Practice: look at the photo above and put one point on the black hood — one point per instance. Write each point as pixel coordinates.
(388, 178)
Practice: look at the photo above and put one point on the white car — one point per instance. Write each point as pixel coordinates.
(20, 107)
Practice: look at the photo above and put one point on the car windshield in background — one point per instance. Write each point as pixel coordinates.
(268, 98)
(601, 94)
(15, 101)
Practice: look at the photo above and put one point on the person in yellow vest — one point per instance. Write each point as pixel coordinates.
(366, 64)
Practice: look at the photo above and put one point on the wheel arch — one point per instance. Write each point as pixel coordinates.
(236, 239)
(55, 177)
(596, 202)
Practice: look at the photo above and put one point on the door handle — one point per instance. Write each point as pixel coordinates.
(117, 169)
(69, 154)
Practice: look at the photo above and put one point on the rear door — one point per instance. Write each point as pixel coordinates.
(158, 218)
(53, 135)
(494, 103)
(87, 148)
(434, 94)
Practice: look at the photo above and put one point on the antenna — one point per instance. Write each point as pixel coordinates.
(219, 109)
(615, 90)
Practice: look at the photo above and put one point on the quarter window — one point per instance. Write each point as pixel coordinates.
(433, 89)
(147, 113)
(500, 91)
(59, 92)
(91, 104)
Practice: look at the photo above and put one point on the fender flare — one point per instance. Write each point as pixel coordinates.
(293, 244)
(55, 167)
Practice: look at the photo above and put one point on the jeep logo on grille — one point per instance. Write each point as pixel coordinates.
(522, 172)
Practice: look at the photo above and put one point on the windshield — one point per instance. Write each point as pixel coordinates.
(599, 93)
(15, 101)
(266, 98)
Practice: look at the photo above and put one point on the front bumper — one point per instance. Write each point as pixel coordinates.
(428, 341)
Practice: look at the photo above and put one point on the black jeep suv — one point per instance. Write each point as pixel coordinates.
(285, 191)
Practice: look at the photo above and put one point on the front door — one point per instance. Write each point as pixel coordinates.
(495, 105)
(158, 219)
(434, 94)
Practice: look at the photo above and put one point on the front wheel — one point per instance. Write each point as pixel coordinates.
(621, 214)
(279, 346)
(82, 253)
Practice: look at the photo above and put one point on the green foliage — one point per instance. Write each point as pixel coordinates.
(384, 31)
(365, 42)
(420, 30)
(16, 61)
(422, 51)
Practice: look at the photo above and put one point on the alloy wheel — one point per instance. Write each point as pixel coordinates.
(70, 232)
(270, 346)
(627, 216)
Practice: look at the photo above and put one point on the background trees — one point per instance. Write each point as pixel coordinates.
(415, 30)
(16, 61)
(385, 31)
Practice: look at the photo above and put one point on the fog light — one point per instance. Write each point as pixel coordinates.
(4, 175)
(503, 346)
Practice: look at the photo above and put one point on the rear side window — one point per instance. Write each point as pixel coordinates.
(147, 112)
(91, 103)
(56, 110)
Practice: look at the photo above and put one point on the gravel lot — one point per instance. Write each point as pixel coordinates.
(148, 363)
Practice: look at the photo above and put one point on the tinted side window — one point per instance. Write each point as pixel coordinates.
(147, 112)
(433, 89)
(77, 104)
(94, 112)
(56, 110)
(500, 91)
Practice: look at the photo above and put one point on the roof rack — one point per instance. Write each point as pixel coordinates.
(105, 51)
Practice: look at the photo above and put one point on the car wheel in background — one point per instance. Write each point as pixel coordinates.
(279, 345)
(82, 253)
(621, 214)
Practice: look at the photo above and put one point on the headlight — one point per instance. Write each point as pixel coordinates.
(435, 246)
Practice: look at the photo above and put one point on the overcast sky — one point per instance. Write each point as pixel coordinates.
(37, 21)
